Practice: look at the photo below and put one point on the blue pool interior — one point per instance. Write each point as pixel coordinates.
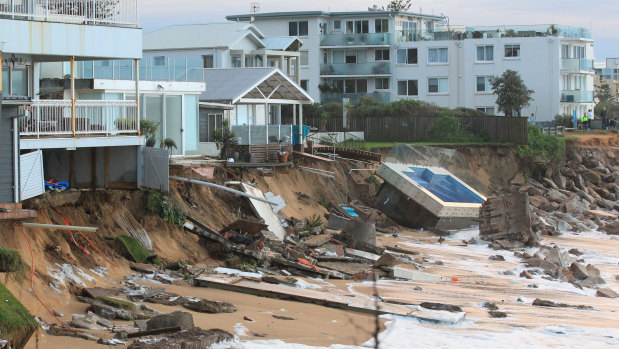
(351, 211)
(444, 187)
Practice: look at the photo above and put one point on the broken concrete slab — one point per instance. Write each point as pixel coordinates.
(440, 306)
(318, 240)
(264, 211)
(210, 307)
(507, 218)
(606, 293)
(413, 275)
(281, 203)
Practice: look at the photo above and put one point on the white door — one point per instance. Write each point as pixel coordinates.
(31, 179)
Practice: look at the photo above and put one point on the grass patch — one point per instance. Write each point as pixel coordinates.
(10, 261)
(543, 152)
(116, 303)
(137, 251)
(16, 322)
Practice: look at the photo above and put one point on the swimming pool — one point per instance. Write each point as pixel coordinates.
(444, 187)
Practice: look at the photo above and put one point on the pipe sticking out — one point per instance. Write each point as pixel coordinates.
(60, 227)
(180, 179)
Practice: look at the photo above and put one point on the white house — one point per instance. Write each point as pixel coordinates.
(393, 55)
(68, 132)
(222, 45)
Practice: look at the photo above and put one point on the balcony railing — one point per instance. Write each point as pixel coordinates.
(576, 96)
(151, 69)
(355, 39)
(413, 35)
(576, 64)
(343, 69)
(263, 134)
(92, 117)
(101, 12)
(383, 97)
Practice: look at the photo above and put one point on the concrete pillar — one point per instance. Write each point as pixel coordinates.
(36, 77)
(137, 93)
(282, 62)
(265, 60)
(294, 114)
(243, 60)
(288, 70)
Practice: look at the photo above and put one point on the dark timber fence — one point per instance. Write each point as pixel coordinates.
(498, 129)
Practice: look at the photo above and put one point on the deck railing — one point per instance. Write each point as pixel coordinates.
(97, 12)
(263, 134)
(92, 117)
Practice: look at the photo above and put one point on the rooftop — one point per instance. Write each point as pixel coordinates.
(297, 14)
(201, 36)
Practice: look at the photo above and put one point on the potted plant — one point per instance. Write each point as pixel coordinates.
(224, 139)
(148, 128)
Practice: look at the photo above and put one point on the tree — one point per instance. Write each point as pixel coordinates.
(399, 5)
(512, 94)
(605, 94)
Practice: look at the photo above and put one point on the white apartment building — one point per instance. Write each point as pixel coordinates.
(395, 55)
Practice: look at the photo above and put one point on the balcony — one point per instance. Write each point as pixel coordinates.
(577, 65)
(576, 96)
(263, 134)
(332, 97)
(96, 12)
(413, 35)
(92, 117)
(355, 69)
(168, 69)
(344, 40)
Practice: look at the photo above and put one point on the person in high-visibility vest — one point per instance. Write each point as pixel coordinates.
(585, 121)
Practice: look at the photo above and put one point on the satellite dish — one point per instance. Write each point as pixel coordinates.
(254, 7)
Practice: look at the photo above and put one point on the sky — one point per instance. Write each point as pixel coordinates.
(598, 15)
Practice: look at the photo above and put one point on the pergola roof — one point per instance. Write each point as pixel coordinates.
(252, 85)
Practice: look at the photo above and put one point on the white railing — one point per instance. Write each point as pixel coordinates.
(53, 118)
(104, 12)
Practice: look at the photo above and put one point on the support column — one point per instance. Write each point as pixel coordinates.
(282, 61)
(73, 95)
(288, 67)
(243, 60)
(301, 122)
(265, 60)
(1, 44)
(137, 94)
(294, 114)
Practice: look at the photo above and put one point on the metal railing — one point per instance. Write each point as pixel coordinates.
(328, 97)
(372, 68)
(102, 12)
(577, 64)
(92, 117)
(355, 39)
(263, 134)
(414, 35)
(577, 96)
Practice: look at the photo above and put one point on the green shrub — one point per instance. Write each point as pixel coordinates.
(116, 303)
(449, 129)
(16, 322)
(541, 152)
(137, 251)
(159, 204)
(564, 120)
(314, 221)
(615, 131)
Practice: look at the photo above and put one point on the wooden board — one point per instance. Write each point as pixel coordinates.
(264, 211)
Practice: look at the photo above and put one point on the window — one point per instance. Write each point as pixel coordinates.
(159, 61)
(236, 61)
(15, 81)
(381, 83)
(487, 110)
(407, 56)
(304, 84)
(408, 88)
(208, 61)
(381, 55)
(485, 53)
(337, 25)
(304, 58)
(208, 124)
(579, 52)
(249, 61)
(325, 58)
(357, 27)
(512, 51)
(299, 28)
(438, 85)
(437, 55)
(381, 25)
(355, 86)
(483, 84)
(351, 56)
(565, 51)
(429, 27)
